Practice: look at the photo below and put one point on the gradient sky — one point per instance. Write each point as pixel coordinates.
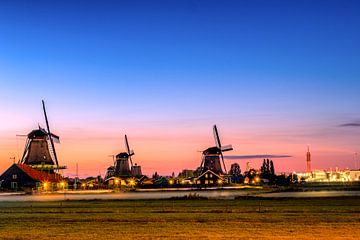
(275, 76)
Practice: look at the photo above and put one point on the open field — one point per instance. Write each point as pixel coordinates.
(251, 218)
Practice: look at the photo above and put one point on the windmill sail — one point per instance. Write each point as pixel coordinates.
(213, 156)
(50, 135)
(129, 152)
(56, 139)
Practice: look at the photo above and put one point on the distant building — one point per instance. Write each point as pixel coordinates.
(354, 175)
(136, 170)
(186, 173)
(330, 176)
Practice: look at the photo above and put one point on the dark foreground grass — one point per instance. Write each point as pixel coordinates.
(321, 218)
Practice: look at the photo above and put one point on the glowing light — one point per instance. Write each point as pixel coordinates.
(246, 181)
(171, 182)
(117, 181)
(220, 181)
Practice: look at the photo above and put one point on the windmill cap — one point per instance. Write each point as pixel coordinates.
(37, 133)
(122, 155)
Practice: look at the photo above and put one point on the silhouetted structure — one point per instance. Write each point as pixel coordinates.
(123, 168)
(211, 156)
(308, 161)
(40, 150)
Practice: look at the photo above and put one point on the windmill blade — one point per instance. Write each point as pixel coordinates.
(202, 163)
(55, 138)
(21, 135)
(216, 137)
(127, 145)
(222, 158)
(49, 133)
(25, 151)
(227, 148)
(130, 153)
(131, 162)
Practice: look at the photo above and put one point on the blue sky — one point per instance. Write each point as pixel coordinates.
(289, 66)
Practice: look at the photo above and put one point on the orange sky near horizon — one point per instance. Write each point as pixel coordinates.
(171, 147)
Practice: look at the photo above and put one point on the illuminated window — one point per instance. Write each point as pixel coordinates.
(14, 176)
(14, 185)
(211, 181)
(206, 175)
(206, 182)
(210, 175)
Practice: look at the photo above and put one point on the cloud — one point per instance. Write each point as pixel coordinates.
(351, 124)
(256, 157)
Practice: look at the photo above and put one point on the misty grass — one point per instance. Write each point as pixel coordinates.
(327, 218)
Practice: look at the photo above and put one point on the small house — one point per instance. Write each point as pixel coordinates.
(23, 177)
(209, 178)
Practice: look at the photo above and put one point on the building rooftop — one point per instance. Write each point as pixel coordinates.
(39, 175)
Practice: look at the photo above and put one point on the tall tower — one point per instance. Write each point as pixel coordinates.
(308, 161)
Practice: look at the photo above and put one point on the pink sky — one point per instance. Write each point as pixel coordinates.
(174, 144)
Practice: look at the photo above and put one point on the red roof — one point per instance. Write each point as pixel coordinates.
(39, 175)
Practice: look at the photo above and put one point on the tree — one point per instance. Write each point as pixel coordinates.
(235, 173)
(272, 170)
(262, 169)
(235, 169)
(265, 168)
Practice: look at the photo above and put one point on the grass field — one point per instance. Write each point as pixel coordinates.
(317, 218)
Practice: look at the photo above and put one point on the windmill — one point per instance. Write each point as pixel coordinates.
(40, 150)
(122, 166)
(211, 156)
